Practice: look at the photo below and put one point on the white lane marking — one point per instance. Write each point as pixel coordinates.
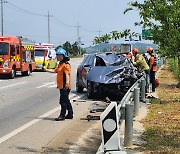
(46, 84)
(53, 86)
(2, 80)
(20, 129)
(13, 85)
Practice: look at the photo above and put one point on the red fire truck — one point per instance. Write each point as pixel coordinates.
(16, 54)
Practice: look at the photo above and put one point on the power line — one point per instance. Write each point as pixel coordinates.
(55, 19)
(66, 25)
(57, 23)
(19, 9)
(26, 11)
(16, 8)
(62, 23)
(32, 13)
(10, 7)
(40, 36)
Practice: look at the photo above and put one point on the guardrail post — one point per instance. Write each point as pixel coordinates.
(128, 137)
(143, 85)
(136, 101)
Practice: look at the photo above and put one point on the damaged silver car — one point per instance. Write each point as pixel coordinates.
(106, 74)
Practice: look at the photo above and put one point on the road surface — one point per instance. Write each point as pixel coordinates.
(28, 106)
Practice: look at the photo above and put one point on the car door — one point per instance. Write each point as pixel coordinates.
(89, 63)
(81, 72)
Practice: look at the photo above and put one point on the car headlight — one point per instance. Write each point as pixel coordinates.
(6, 64)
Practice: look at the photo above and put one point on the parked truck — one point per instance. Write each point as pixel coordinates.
(16, 54)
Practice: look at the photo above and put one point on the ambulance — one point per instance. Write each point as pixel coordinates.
(45, 55)
(16, 54)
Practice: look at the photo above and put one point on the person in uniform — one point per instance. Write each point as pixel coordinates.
(153, 67)
(63, 71)
(139, 61)
(142, 66)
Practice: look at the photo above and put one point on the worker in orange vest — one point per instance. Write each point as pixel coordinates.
(153, 67)
(63, 71)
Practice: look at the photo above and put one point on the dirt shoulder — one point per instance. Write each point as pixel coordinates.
(80, 137)
(162, 124)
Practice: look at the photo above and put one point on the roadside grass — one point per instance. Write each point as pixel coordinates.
(162, 124)
(173, 65)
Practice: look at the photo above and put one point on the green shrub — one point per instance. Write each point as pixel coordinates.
(173, 63)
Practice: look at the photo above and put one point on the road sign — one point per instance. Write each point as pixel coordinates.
(146, 33)
(110, 128)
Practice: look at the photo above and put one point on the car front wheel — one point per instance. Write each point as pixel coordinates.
(90, 90)
(27, 73)
(79, 88)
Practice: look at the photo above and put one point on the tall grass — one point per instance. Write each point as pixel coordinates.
(173, 63)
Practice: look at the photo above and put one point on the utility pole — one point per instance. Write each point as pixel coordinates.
(2, 28)
(99, 37)
(78, 38)
(49, 28)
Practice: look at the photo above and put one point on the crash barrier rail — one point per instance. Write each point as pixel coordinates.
(115, 113)
(113, 116)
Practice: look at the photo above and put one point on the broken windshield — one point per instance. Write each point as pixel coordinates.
(4, 48)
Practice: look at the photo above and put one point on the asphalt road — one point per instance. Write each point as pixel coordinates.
(28, 106)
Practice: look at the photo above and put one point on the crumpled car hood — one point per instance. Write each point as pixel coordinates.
(112, 59)
(116, 70)
(109, 74)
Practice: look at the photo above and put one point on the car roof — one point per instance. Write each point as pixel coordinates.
(103, 53)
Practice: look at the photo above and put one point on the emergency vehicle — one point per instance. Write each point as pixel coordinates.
(45, 55)
(16, 54)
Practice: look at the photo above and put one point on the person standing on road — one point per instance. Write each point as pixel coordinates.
(153, 67)
(63, 71)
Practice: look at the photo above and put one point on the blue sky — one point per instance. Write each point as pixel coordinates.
(92, 15)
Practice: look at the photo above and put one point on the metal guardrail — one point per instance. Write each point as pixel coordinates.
(113, 116)
(115, 113)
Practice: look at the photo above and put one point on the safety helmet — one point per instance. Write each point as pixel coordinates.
(149, 49)
(135, 50)
(61, 51)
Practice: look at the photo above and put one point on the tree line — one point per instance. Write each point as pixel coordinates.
(162, 19)
(73, 50)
